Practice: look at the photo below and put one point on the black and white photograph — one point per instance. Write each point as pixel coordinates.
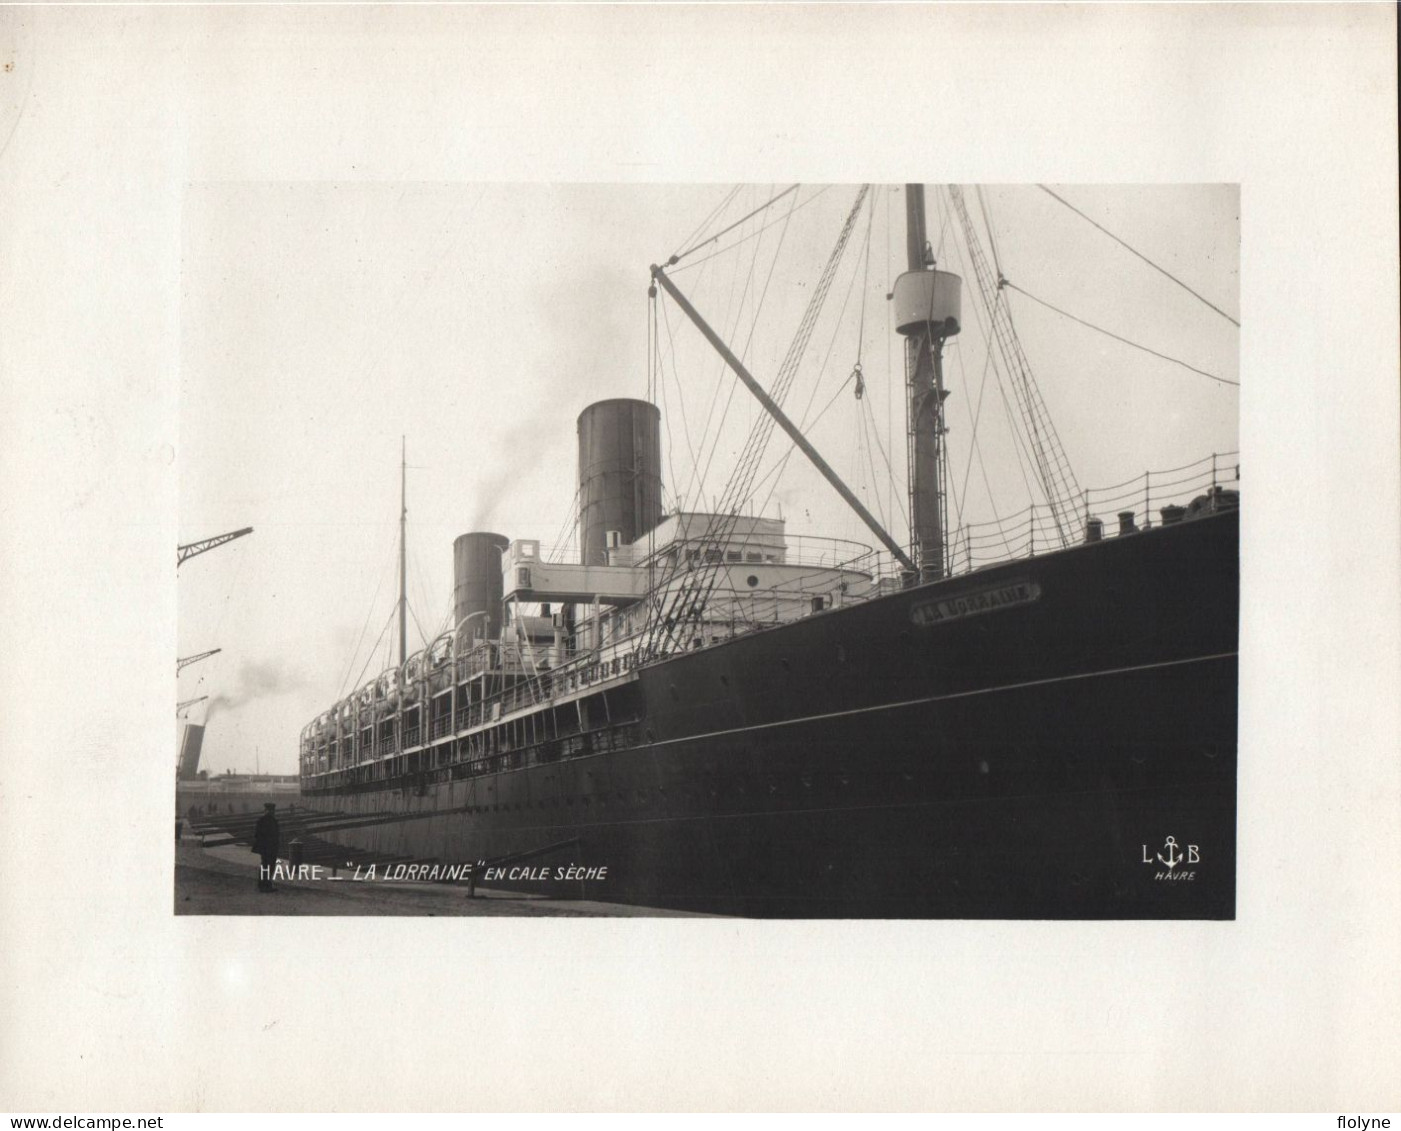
(699, 558)
(780, 551)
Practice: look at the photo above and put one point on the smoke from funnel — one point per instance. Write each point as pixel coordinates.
(581, 348)
(256, 680)
(493, 488)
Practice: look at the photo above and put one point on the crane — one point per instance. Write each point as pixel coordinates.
(185, 661)
(191, 549)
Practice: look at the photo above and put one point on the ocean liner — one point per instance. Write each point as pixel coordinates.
(706, 712)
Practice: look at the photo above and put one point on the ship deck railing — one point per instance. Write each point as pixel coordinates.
(1130, 506)
(1136, 504)
(620, 735)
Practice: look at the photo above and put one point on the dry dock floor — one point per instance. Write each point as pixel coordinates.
(222, 881)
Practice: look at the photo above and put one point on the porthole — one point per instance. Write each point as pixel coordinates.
(752, 581)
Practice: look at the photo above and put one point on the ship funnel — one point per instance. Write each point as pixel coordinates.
(476, 571)
(190, 743)
(620, 475)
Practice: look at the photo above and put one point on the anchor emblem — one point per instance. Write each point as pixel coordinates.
(1171, 856)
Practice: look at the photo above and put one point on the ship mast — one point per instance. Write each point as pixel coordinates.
(403, 523)
(927, 308)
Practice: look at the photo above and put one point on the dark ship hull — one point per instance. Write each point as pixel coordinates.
(1054, 737)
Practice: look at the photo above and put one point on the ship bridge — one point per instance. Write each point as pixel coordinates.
(688, 538)
(526, 576)
(681, 542)
(697, 538)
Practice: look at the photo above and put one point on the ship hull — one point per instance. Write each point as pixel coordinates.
(1051, 738)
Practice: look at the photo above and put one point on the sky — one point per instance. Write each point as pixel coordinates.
(320, 323)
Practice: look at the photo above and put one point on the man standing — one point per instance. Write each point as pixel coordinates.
(266, 840)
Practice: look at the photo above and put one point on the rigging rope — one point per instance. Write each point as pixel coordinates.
(1109, 333)
(782, 462)
(680, 393)
(865, 414)
(371, 656)
(749, 215)
(894, 500)
(797, 207)
(731, 319)
(364, 629)
(1160, 270)
(1020, 442)
(422, 596)
(804, 424)
(566, 528)
(744, 353)
(975, 446)
(666, 422)
(1057, 478)
(704, 473)
(651, 320)
(865, 280)
(659, 385)
(714, 212)
(987, 223)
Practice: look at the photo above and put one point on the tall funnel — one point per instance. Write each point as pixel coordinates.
(476, 571)
(620, 474)
(190, 742)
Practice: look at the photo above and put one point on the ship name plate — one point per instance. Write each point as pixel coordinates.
(987, 600)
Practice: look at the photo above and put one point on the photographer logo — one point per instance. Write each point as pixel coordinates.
(1169, 861)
